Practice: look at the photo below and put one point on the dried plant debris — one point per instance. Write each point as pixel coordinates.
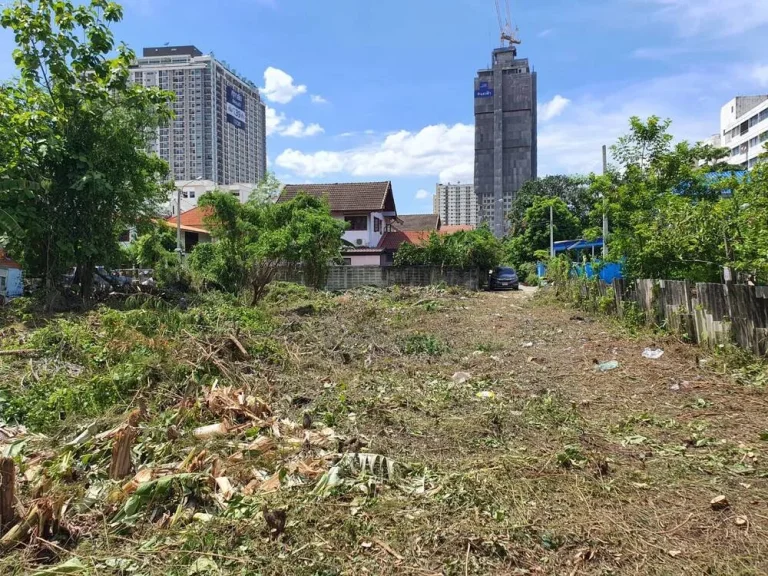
(376, 431)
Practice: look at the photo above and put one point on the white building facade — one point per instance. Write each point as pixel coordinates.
(744, 129)
(456, 204)
(218, 132)
(191, 191)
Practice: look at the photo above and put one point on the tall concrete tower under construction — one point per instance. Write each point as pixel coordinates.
(505, 134)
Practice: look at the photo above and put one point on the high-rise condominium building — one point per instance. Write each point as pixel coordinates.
(505, 135)
(743, 129)
(456, 204)
(218, 132)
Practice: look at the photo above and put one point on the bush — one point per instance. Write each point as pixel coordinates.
(425, 344)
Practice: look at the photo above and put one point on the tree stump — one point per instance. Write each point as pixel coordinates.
(7, 494)
(121, 466)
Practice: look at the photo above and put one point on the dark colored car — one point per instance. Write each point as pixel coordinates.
(503, 278)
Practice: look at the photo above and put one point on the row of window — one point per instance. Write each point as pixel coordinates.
(753, 143)
(745, 126)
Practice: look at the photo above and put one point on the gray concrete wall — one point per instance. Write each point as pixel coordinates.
(348, 277)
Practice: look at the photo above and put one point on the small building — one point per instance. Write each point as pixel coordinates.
(11, 282)
(367, 207)
(193, 227)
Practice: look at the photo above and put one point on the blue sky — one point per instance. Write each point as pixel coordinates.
(368, 90)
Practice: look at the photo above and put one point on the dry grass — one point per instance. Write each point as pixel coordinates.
(563, 471)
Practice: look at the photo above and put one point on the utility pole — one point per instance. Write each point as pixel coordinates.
(605, 206)
(551, 233)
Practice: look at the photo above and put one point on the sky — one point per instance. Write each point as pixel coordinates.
(361, 90)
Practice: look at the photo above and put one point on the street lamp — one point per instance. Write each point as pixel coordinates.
(178, 216)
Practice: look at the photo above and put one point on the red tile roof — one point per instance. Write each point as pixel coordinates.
(417, 222)
(194, 218)
(7, 262)
(347, 197)
(453, 229)
(393, 240)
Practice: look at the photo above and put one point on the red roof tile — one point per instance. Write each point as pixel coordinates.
(393, 240)
(347, 197)
(417, 222)
(194, 218)
(453, 229)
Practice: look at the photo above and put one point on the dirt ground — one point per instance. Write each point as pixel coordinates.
(483, 439)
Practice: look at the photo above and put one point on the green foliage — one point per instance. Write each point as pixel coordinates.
(425, 344)
(254, 239)
(465, 249)
(574, 191)
(534, 230)
(74, 132)
(669, 221)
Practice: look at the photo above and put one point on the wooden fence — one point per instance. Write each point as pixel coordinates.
(708, 314)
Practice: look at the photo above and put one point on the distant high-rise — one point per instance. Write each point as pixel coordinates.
(219, 131)
(456, 204)
(505, 135)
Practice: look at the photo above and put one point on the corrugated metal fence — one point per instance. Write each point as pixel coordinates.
(708, 314)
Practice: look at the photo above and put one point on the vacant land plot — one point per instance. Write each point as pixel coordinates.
(382, 432)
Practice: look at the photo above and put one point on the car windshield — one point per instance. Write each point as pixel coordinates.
(504, 271)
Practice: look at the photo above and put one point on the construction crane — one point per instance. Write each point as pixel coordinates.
(505, 26)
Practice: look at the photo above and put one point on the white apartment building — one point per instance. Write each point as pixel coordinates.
(744, 129)
(456, 204)
(218, 132)
(192, 190)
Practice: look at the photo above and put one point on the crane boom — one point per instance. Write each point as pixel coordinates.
(505, 25)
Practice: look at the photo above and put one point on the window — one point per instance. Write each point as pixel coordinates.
(763, 115)
(357, 223)
(347, 261)
(753, 121)
(376, 224)
(735, 151)
(753, 142)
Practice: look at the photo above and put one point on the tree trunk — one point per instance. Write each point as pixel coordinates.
(121, 465)
(7, 494)
(86, 280)
(40, 516)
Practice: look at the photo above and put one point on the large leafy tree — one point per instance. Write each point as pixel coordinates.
(574, 191)
(679, 211)
(74, 134)
(533, 235)
(253, 240)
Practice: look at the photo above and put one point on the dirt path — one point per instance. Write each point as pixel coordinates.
(537, 463)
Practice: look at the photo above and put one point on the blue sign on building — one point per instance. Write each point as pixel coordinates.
(484, 91)
(235, 108)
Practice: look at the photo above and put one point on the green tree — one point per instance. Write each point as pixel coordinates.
(465, 249)
(253, 240)
(574, 191)
(74, 127)
(669, 213)
(534, 233)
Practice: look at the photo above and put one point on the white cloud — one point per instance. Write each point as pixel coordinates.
(572, 143)
(715, 17)
(760, 75)
(438, 151)
(553, 108)
(273, 120)
(279, 86)
(297, 129)
(278, 124)
(545, 33)
(422, 194)
(317, 99)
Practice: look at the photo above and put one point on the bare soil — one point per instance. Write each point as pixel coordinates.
(514, 453)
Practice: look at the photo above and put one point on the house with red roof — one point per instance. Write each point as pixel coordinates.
(193, 227)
